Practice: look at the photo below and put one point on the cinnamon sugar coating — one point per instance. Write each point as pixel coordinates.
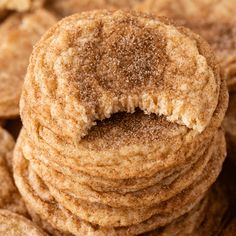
(134, 159)
(94, 64)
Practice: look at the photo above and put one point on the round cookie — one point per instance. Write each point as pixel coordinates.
(64, 8)
(13, 224)
(146, 82)
(119, 95)
(20, 5)
(107, 185)
(213, 20)
(10, 198)
(59, 217)
(19, 32)
(210, 220)
(55, 135)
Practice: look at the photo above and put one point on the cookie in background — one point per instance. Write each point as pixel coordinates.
(10, 198)
(19, 33)
(20, 5)
(14, 224)
(62, 8)
(213, 20)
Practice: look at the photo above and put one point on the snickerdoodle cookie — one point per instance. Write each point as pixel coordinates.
(14, 224)
(10, 198)
(214, 20)
(20, 5)
(19, 32)
(62, 8)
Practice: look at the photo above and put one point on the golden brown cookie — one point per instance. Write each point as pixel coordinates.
(18, 35)
(159, 191)
(208, 219)
(132, 215)
(10, 198)
(144, 67)
(162, 146)
(20, 5)
(13, 224)
(64, 8)
(53, 135)
(213, 20)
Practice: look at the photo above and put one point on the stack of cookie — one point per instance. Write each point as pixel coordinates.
(121, 114)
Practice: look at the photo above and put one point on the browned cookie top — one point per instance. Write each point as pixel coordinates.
(94, 64)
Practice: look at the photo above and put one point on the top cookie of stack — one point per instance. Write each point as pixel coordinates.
(121, 114)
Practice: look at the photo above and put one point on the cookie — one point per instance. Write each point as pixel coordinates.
(209, 219)
(163, 97)
(14, 224)
(174, 144)
(20, 5)
(10, 198)
(19, 33)
(64, 8)
(213, 20)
